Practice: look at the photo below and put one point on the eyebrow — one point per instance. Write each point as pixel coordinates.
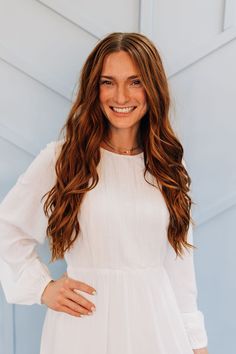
(112, 78)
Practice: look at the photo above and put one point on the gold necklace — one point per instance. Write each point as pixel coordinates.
(126, 151)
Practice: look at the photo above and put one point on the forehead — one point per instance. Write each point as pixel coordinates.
(119, 64)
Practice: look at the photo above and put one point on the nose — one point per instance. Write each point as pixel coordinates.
(121, 95)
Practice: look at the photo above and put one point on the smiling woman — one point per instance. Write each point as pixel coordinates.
(112, 198)
(122, 98)
(122, 95)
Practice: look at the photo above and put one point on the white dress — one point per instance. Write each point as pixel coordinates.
(146, 298)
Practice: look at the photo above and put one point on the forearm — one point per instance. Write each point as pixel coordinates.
(200, 351)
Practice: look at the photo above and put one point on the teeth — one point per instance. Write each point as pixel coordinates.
(123, 110)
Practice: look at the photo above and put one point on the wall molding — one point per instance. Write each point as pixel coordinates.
(189, 58)
(146, 17)
(18, 140)
(229, 14)
(219, 207)
(192, 57)
(14, 60)
(64, 10)
(42, 77)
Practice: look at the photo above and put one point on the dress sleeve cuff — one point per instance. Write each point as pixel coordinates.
(195, 327)
(26, 288)
(44, 280)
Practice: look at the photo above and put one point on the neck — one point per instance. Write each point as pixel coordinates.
(124, 139)
(122, 143)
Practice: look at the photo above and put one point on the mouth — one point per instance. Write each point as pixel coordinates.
(123, 109)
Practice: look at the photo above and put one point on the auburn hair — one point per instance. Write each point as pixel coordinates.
(87, 126)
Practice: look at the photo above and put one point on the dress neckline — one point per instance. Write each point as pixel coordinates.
(121, 155)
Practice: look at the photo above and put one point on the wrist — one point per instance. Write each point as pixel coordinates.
(44, 292)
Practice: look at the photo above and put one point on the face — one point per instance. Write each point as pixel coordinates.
(121, 94)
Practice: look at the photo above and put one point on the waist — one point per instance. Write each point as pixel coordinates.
(113, 270)
(107, 279)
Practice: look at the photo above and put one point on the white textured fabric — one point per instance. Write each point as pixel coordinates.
(146, 298)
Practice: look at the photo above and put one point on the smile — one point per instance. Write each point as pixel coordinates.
(123, 110)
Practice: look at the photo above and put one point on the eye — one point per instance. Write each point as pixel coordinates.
(105, 82)
(136, 83)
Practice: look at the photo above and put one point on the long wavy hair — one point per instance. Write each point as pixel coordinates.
(87, 126)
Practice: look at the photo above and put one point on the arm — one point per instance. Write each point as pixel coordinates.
(22, 226)
(182, 278)
(181, 273)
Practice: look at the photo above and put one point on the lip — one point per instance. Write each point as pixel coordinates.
(122, 113)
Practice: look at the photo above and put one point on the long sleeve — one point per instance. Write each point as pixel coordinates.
(181, 273)
(23, 225)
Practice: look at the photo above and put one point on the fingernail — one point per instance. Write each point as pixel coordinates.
(81, 315)
(94, 292)
(90, 313)
(93, 309)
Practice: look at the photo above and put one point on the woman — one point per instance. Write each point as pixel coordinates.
(112, 197)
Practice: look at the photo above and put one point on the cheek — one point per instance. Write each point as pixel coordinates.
(142, 99)
(141, 96)
(104, 95)
(143, 102)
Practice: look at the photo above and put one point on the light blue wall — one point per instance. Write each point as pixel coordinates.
(216, 278)
(39, 67)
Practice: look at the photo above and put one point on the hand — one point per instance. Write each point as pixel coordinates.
(59, 295)
(200, 351)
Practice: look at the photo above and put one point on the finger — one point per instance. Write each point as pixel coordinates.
(70, 312)
(75, 307)
(77, 298)
(76, 284)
